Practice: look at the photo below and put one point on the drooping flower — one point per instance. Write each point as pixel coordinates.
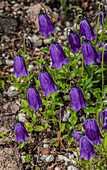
(74, 42)
(20, 66)
(89, 53)
(58, 56)
(104, 114)
(20, 132)
(86, 148)
(92, 131)
(62, 113)
(33, 98)
(86, 29)
(77, 99)
(99, 59)
(76, 135)
(47, 82)
(45, 25)
(102, 14)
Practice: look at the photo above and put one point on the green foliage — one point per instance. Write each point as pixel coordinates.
(27, 158)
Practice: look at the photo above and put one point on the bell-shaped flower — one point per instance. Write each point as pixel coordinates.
(20, 66)
(89, 53)
(104, 116)
(86, 148)
(86, 29)
(47, 82)
(77, 99)
(62, 113)
(92, 131)
(58, 56)
(45, 25)
(20, 132)
(76, 134)
(102, 14)
(99, 59)
(74, 42)
(33, 98)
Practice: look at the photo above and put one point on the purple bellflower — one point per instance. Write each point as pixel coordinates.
(47, 82)
(33, 98)
(62, 113)
(45, 25)
(76, 135)
(20, 66)
(99, 59)
(92, 131)
(58, 56)
(89, 53)
(86, 148)
(104, 119)
(77, 99)
(102, 14)
(86, 29)
(20, 132)
(74, 42)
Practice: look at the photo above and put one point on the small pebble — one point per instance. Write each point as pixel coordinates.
(45, 151)
(49, 158)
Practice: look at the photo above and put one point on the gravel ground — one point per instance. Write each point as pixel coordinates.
(17, 20)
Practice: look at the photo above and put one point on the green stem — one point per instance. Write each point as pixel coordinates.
(65, 12)
(78, 15)
(98, 23)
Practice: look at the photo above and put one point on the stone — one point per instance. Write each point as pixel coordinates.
(31, 67)
(35, 38)
(47, 41)
(22, 117)
(5, 106)
(23, 159)
(45, 145)
(71, 167)
(14, 107)
(49, 158)
(66, 115)
(46, 140)
(62, 157)
(57, 168)
(45, 151)
(9, 62)
(2, 4)
(12, 93)
(57, 28)
(8, 25)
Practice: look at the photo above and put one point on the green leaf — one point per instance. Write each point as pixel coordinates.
(38, 128)
(62, 127)
(70, 139)
(21, 144)
(45, 125)
(45, 50)
(63, 2)
(99, 70)
(27, 158)
(72, 149)
(105, 142)
(73, 118)
(105, 89)
(91, 110)
(29, 127)
(24, 103)
(2, 84)
(55, 143)
(2, 133)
